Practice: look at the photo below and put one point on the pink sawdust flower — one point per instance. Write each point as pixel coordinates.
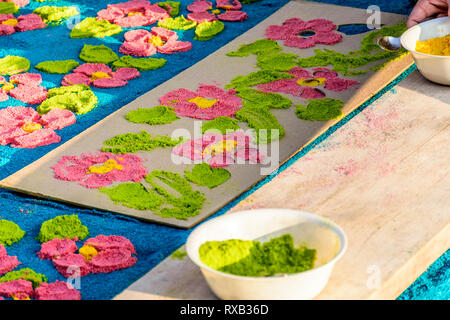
(304, 34)
(220, 150)
(199, 11)
(24, 87)
(133, 13)
(9, 24)
(143, 43)
(306, 83)
(207, 103)
(23, 127)
(100, 169)
(100, 76)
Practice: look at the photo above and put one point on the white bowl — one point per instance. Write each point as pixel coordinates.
(307, 229)
(434, 68)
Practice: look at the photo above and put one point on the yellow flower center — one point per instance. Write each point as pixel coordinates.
(11, 22)
(216, 11)
(311, 82)
(100, 75)
(107, 167)
(7, 86)
(88, 252)
(156, 41)
(23, 299)
(31, 127)
(135, 13)
(220, 147)
(203, 103)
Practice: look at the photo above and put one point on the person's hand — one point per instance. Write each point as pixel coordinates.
(426, 9)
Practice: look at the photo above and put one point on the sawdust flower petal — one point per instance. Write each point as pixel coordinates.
(199, 6)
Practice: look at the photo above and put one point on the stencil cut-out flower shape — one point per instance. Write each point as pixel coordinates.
(304, 34)
(220, 150)
(100, 169)
(10, 24)
(23, 127)
(199, 11)
(133, 13)
(100, 76)
(305, 83)
(207, 103)
(24, 87)
(143, 43)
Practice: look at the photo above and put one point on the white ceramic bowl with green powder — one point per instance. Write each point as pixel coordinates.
(308, 231)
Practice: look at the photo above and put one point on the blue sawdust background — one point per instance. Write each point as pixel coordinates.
(153, 243)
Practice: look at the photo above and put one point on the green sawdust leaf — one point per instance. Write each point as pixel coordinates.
(77, 98)
(57, 67)
(8, 7)
(10, 232)
(142, 64)
(253, 259)
(222, 124)
(133, 142)
(183, 201)
(178, 23)
(98, 54)
(258, 77)
(203, 175)
(153, 116)
(62, 227)
(208, 30)
(252, 97)
(10, 65)
(93, 28)
(52, 14)
(179, 254)
(259, 47)
(25, 274)
(262, 121)
(172, 7)
(277, 62)
(320, 109)
(134, 195)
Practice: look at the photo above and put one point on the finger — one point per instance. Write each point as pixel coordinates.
(421, 11)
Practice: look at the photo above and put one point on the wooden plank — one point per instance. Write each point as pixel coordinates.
(383, 177)
(37, 179)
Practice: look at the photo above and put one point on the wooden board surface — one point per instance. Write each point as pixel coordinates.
(37, 179)
(383, 177)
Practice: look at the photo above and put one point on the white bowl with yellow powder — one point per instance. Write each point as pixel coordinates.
(433, 67)
(307, 229)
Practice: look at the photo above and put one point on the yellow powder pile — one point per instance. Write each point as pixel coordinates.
(439, 46)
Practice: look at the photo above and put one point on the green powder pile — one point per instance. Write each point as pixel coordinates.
(8, 7)
(179, 254)
(77, 98)
(55, 15)
(10, 65)
(203, 175)
(98, 54)
(10, 232)
(221, 124)
(183, 200)
(142, 64)
(208, 30)
(262, 121)
(25, 274)
(133, 142)
(259, 47)
(277, 62)
(93, 28)
(134, 195)
(178, 23)
(258, 98)
(174, 5)
(62, 227)
(320, 109)
(258, 77)
(57, 67)
(351, 63)
(253, 259)
(153, 116)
